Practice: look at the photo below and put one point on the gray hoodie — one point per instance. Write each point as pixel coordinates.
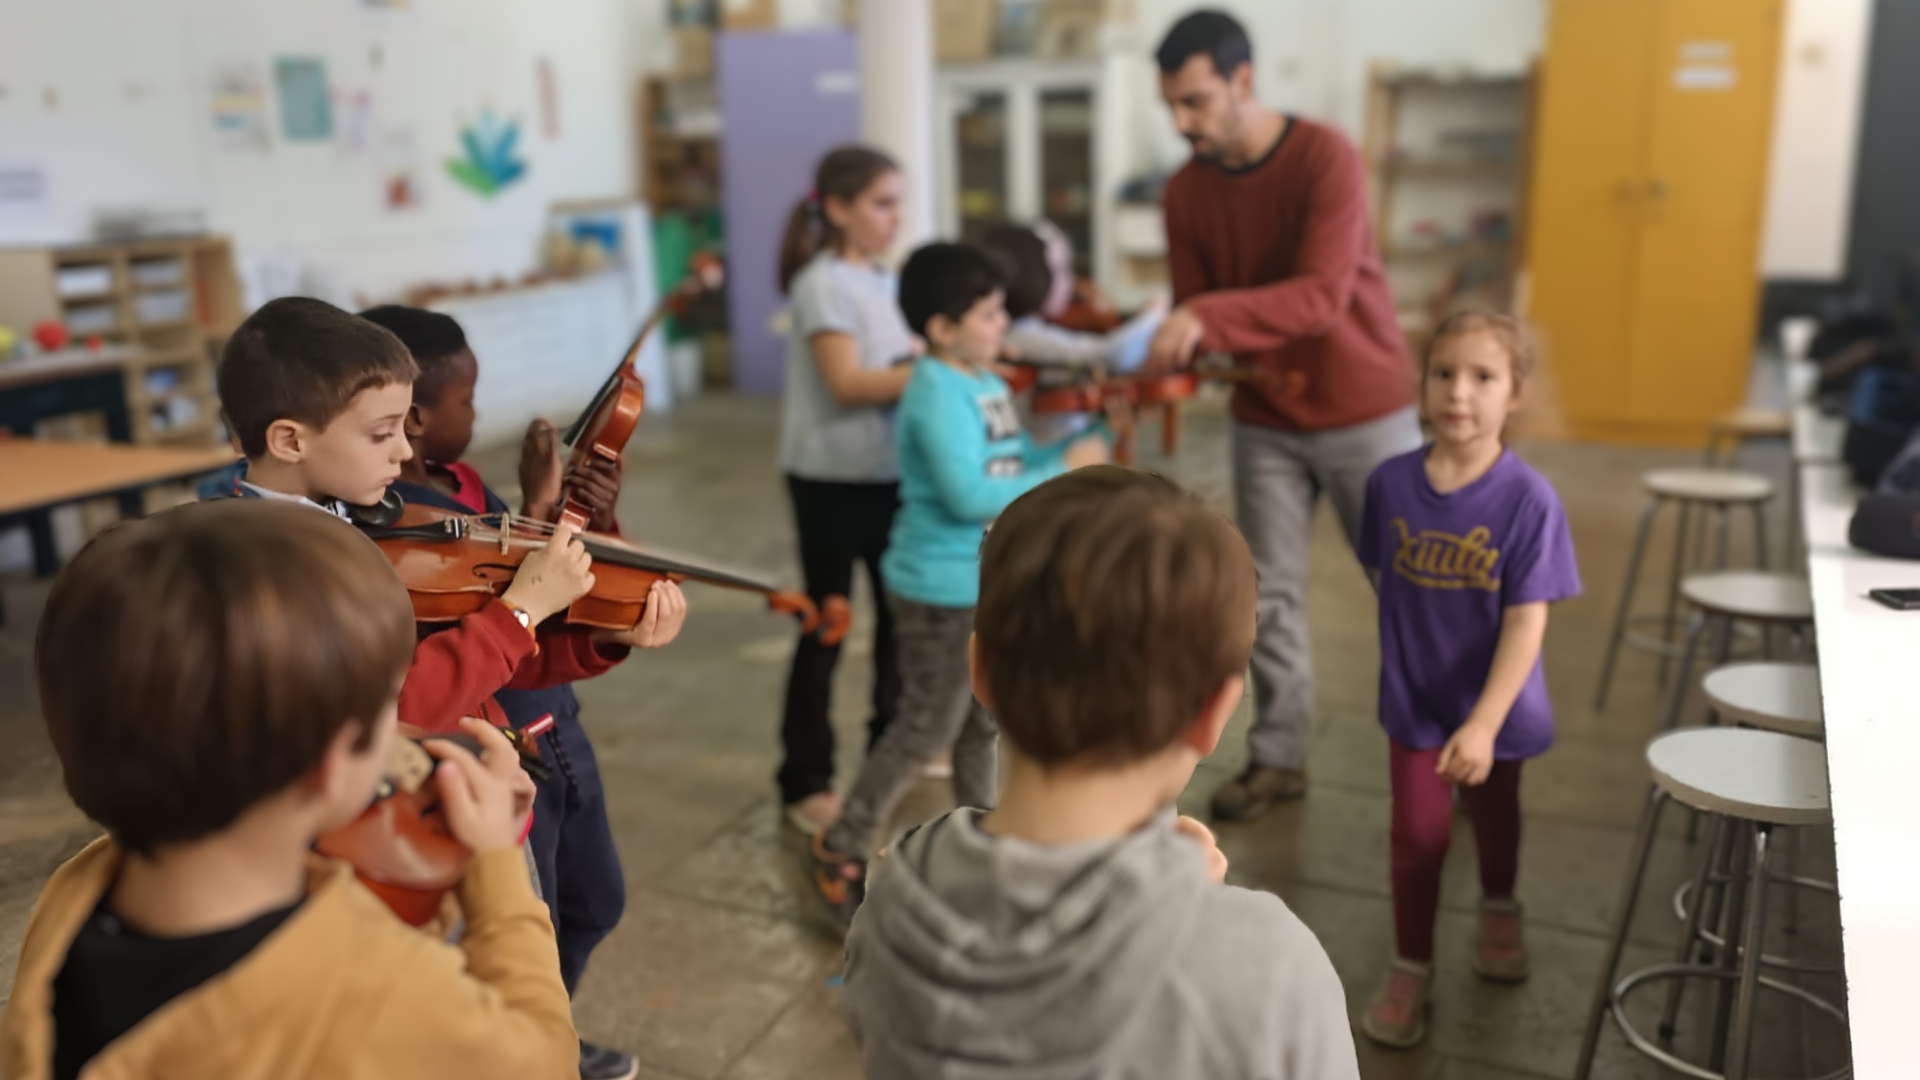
(978, 957)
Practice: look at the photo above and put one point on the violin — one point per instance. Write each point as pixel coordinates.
(453, 564)
(1093, 391)
(400, 847)
(1090, 311)
(603, 429)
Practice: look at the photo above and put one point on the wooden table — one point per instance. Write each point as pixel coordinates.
(36, 476)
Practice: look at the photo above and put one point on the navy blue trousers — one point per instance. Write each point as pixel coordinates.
(580, 874)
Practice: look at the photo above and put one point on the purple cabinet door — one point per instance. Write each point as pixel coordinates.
(786, 99)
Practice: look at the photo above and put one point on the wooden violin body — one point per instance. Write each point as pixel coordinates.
(401, 847)
(1090, 311)
(602, 430)
(453, 564)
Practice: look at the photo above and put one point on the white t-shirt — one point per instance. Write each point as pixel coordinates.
(821, 439)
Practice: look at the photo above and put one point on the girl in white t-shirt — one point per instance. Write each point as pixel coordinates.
(836, 441)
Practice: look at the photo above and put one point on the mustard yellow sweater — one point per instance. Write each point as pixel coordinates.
(341, 989)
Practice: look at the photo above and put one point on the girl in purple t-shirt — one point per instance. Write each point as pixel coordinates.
(1467, 546)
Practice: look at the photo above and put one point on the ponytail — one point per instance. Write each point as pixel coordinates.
(843, 174)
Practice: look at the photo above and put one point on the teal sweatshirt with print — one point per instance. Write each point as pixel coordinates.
(963, 458)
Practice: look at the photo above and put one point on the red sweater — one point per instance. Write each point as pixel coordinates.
(456, 670)
(1277, 260)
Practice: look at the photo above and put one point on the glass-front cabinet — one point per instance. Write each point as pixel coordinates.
(1022, 139)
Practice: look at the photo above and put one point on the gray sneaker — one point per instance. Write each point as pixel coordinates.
(600, 1063)
(1255, 790)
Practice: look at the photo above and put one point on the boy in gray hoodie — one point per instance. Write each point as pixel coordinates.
(1081, 930)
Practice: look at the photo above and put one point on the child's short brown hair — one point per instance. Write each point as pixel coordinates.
(1510, 332)
(196, 662)
(1113, 606)
(303, 359)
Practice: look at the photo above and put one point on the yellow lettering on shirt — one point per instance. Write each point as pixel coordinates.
(1436, 560)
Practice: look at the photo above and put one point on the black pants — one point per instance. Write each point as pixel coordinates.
(839, 524)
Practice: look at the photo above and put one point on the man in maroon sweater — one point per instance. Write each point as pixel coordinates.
(1273, 261)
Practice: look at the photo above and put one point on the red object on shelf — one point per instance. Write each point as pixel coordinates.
(52, 336)
(96, 343)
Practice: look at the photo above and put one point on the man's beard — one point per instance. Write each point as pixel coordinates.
(1204, 149)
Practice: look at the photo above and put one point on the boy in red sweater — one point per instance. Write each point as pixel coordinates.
(572, 840)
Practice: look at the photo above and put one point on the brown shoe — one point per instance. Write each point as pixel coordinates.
(1500, 948)
(1254, 792)
(1397, 1015)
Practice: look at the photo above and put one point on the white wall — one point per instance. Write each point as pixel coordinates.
(1311, 57)
(1816, 133)
(112, 96)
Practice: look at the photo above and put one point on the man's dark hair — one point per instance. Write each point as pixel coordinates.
(946, 279)
(198, 661)
(1024, 255)
(303, 359)
(1113, 606)
(432, 338)
(1216, 34)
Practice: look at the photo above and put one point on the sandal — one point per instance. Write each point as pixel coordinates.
(1397, 1015)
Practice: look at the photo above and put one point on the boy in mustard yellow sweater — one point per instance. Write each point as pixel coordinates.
(220, 682)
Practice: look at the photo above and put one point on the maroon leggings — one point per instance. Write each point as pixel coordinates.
(1422, 826)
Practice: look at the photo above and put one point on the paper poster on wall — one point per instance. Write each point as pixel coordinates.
(26, 203)
(306, 114)
(354, 131)
(491, 162)
(237, 107)
(397, 162)
(549, 94)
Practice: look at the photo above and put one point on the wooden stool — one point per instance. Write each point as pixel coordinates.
(1742, 426)
(1756, 782)
(1717, 490)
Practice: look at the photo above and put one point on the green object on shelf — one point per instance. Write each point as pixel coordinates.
(677, 237)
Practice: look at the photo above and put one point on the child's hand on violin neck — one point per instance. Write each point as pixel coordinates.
(487, 798)
(596, 485)
(540, 470)
(1200, 834)
(552, 577)
(659, 625)
(1087, 450)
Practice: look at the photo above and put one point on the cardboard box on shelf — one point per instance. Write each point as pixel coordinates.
(693, 52)
(749, 14)
(963, 29)
(1078, 27)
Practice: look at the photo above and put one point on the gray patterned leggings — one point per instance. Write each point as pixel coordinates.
(937, 711)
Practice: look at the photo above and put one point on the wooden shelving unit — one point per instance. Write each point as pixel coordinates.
(1447, 160)
(172, 302)
(679, 169)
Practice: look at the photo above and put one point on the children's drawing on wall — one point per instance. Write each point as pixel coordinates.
(397, 163)
(237, 107)
(306, 113)
(490, 163)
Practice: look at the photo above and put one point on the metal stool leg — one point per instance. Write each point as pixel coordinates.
(1626, 602)
(1678, 698)
(1755, 930)
(1721, 514)
(1690, 933)
(1733, 907)
(1674, 574)
(1760, 534)
(1603, 986)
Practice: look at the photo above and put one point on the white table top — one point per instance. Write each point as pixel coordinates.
(1867, 654)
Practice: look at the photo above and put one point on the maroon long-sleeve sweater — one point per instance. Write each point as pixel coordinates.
(1277, 260)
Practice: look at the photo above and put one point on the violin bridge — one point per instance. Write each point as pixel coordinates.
(506, 530)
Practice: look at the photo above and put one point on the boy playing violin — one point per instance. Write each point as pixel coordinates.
(220, 682)
(572, 840)
(319, 399)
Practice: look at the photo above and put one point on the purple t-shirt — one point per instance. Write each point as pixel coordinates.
(1449, 567)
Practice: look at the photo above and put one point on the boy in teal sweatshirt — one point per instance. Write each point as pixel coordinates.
(963, 457)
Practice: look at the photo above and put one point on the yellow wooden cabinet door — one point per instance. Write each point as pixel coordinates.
(1588, 145)
(1697, 272)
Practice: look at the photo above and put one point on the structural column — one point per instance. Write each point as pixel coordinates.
(896, 103)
